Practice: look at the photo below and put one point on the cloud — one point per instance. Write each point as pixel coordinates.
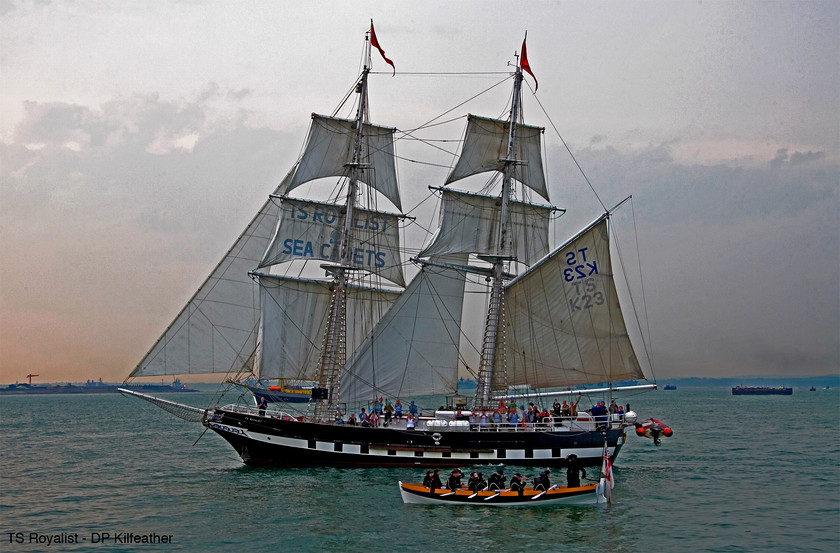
(113, 217)
(797, 158)
(741, 262)
(113, 214)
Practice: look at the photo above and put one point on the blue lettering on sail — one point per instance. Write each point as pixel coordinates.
(368, 258)
(571, 257)
(328, 216)
(580, 267)
(306, 249)
(371, 223)
(580, 271)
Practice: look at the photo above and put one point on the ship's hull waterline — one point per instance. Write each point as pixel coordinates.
(269, 441)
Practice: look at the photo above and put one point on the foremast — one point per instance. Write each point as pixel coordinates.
(495, 310)
(333, 357)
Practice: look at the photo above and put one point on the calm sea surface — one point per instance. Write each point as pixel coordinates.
(740, 474)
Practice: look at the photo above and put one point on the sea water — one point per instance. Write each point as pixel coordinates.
(97, 472)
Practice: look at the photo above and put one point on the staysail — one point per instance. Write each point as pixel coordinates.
(216, 331)
(413, 350)
(563, 322)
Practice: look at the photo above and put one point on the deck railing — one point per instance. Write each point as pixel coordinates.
(553, 423)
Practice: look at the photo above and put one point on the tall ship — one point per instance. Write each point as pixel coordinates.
(315, 290)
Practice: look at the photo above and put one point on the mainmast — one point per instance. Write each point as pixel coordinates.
(334, 352)
(495, 308)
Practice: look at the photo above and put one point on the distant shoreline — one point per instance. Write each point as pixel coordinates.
(90, 387)
(832, 381)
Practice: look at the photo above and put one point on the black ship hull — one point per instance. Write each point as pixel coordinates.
(285, 442)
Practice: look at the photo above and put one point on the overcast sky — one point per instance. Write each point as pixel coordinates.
(139, 138)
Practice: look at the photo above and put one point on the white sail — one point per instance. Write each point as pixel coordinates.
(312, 230)
(469, 223)
(563, 322)
(485, 149)
(294, 314)
(329, 153)
(413, 350)
(216, 331)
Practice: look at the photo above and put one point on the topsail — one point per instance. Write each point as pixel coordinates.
(469, 223)
(485, 149)
(329, 153)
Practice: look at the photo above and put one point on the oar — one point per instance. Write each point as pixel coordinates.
(542, 492)
(492, 496)
(445, 494)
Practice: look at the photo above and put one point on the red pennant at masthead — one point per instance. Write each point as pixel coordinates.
(525, 65)
(375, 43)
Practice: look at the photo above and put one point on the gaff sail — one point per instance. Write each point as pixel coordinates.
(563, 322)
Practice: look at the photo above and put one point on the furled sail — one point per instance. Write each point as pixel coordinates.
(485, 149)
(413, 350)
(294, 314)
(469, 223)
(312, 230)
(563, 323)
(217, 330)
(329, 153)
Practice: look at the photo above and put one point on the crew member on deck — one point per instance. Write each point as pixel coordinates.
(262, 406)
(496, 480)
(573, 471)
(454, 480)
(543, 481)
(427, 480)
(477, 482)
(436, 483)
(517, 483)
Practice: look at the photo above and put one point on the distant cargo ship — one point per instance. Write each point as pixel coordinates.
(90, 387)
(761, 391)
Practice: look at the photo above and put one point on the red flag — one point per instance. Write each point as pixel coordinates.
(525, 65)
(375, 44)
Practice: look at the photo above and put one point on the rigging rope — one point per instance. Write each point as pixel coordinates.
(557, 132)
